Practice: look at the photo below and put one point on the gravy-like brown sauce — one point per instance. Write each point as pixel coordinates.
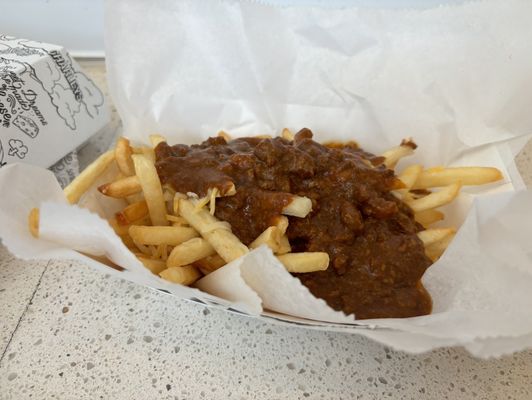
(377, 260)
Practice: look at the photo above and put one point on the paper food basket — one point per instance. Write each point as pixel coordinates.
(456, 78)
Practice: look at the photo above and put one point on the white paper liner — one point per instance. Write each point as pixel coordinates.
(228, 283)
(265, 275)
(371, 75)
(480, 287)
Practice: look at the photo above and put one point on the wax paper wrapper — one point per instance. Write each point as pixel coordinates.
(454, 78)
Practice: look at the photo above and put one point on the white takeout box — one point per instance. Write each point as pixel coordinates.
(48, 106)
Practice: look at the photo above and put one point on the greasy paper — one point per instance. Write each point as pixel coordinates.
(456, 79)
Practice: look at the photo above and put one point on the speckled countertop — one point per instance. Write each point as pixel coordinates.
(69, 332)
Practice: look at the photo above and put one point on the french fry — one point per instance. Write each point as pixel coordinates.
(128, 242)
(135, 198)
(304, 262)
(33, 222)
(140, 149)
(151, 187)
(189, 252)
(287, 134)
(176, 220)
(178, 196)
(225, 135)
(397, 184)
(132, 212)
(436, 249)
(263, 136)
(168, 193)
(436, 177)
(162, 251)
(155, 235)
(155, 266)
(281, 222)
(154, 251)
(274, 237)
(212, 200)
(230, 191)
(428, 217)
(117, 227)
(118, 176)
(87, 177)
(392, 156)
(410, 175)
(186, 275)
(209, 264)
(405, 196)
(123, 154)
(271, 237)
(436, 199)
(299, 206)
(227, 245)
(146, 250)
(435, 169)
(430, 236)
(149, 153)
(155, 139)
(121, 188)
(284, 246)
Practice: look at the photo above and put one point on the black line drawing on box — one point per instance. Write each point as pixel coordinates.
(70, 91)
(2, 162)
(26, 125)
(12, 103)
(93, 98)
(20, 86)
(17, 148)
(19, 51)
(78, 92)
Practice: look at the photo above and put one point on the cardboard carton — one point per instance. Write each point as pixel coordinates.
(48, 106)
